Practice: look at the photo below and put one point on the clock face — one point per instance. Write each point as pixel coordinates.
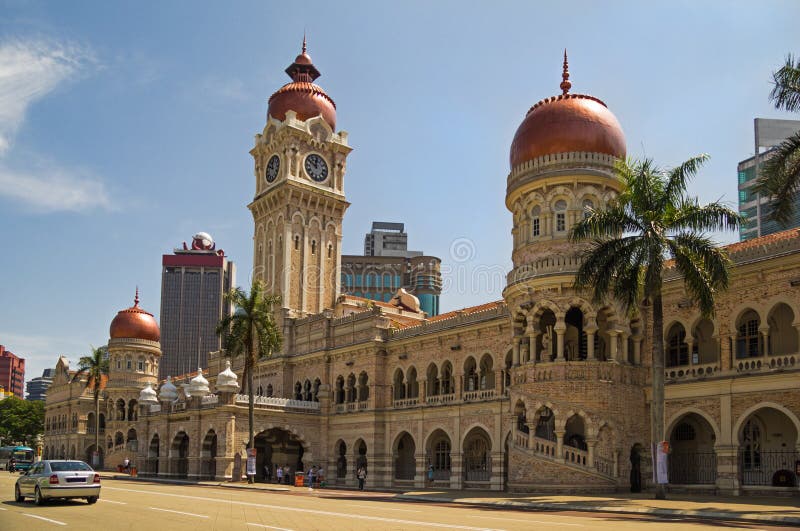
(316, 167)
(273, 166)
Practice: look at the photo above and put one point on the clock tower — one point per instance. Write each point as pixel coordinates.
(299, 202)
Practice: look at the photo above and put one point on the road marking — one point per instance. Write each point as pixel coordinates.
(311, 511)
(179, 512)
(112, 501)
(45, 519)
(385, 508)
(270, 527)
(526, 521)
(1, 509)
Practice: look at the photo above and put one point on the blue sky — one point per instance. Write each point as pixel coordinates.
(125, 127)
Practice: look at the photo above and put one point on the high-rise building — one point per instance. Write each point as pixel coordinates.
(37, 387)
(193, 283)
(768, 134)
(12, 372)
(388, 265)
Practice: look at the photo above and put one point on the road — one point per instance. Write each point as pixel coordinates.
(156, 506)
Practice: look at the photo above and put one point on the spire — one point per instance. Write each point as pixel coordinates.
(303, 69)
(136, 298)
(304, 41)
(565, 84)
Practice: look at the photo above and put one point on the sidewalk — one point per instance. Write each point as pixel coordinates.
(749, 509)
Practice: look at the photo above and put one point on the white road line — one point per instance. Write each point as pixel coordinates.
(179, 512)
(385, 508)
(270, 527)
(284, 508)
(45, 519)
(1, 509)
(525, 520)
(112, 501)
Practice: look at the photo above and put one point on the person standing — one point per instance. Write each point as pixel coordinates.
(321, 475)
(310, 479)
(279, 474)
(362, 477)
(430, 475)
(287, 475)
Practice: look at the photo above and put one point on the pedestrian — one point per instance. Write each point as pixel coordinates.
(279, 474)
(267, 473)
(321, 475)
(287, 474)
(362, 476)
(310, 479)
(430, 475)
(126, 465)
(314, 475)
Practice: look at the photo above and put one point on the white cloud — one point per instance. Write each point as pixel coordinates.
(57, 191)
(29, 71)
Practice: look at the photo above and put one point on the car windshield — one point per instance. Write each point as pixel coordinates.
(69, 466)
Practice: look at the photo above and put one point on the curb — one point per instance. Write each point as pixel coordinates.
(708, 515)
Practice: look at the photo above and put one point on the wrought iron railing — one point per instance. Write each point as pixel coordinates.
(692, 468)
(769, 468)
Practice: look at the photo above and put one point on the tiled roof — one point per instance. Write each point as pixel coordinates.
(785, 235)
(466, 311)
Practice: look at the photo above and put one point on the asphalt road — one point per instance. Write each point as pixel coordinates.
(156, 507)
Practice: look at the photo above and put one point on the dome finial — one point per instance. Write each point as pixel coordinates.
(565, 84)
(136, 298)
(304, 41)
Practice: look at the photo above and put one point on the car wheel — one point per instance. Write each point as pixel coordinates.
(18, 495)
(37, 497)
(91, 499)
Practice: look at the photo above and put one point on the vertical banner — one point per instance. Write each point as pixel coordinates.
(251, 461)
(660, 465)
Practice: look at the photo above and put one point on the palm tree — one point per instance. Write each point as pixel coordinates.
(250, 331)
(780, 175)
(632, 237)
(94, 366)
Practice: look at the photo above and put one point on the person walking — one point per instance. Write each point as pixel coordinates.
(430, 475)
(267, 473)
(321, 475)
(362, 477)
(287, 474)
(279, 474)
(310, 479)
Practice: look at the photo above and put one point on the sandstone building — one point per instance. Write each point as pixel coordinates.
(541, 391)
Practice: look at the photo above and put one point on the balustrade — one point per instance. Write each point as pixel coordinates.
(575, 455)
(440, 399)
(406, 402)
(480, 394)
(687, 372)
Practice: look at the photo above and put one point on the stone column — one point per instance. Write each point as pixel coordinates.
(288, 248)
(624, 339)
(560, 329)
(590, 331)
(764, 330)
(590, 446)
(613, 344)
(532, 336)
(560, 443)
(637, 349)
(515, 352)
(727, 469)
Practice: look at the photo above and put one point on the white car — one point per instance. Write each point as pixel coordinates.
(51, 479)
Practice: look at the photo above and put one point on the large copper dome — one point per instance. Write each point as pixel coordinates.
(135, 323)
(567, 123)
(302, 95)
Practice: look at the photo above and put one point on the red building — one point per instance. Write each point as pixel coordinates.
(12, 372)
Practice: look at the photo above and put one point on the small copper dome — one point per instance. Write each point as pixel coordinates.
(135, 323)
(567, 123)
(302, 95)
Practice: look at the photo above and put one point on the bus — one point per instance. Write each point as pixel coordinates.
(23, 457)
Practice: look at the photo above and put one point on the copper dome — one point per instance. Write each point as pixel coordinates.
(135, 323)
(567, 123)
(302, 95)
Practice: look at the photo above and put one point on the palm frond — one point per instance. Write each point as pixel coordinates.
(707, 218)
(786, 85)
(679, 177)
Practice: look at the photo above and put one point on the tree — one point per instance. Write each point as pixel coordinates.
(780, 174)
(250, 332)
(94, 366)
(632, 237)
(21, 421)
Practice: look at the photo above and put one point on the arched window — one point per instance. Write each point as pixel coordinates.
(399, 385)
(330, 250)
(677, 349)
(470, 375)
(296, 242)
(751, 441)
(351, 388)
(315, 391)
(546, 425)
(748, 342)
(561, 215)
(363, 387)
(298, 391)
(447, 379)
(536, 221)
(269, 390)
(588, 206)
(340, 390)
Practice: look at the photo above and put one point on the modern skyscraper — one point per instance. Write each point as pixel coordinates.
(12, 372)
(768, 134)
(193, 282)
(388, 265)
(37, 387)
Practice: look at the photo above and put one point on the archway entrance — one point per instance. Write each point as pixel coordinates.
(179, 454)
(692, 460)
(360, 456)
(208, 456)
(277, 447)
(341, 462)
(89, 453)
(152, 455)
(768, 449)
(404, 462)
(477, 456)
